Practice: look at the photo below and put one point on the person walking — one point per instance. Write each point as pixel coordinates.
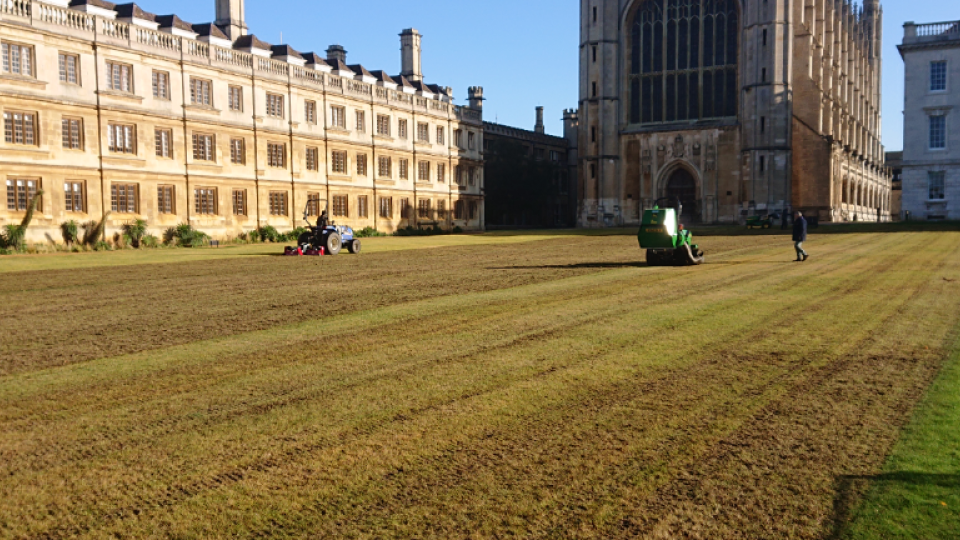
(800, 236)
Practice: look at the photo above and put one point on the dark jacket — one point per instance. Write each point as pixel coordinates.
(800, 229)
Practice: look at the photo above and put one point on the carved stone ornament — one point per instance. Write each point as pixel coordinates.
(678, 147)
(696, 149)
(661, 154)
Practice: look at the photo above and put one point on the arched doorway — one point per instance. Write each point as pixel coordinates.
(683, 186)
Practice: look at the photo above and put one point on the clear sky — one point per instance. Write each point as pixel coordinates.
(523, 52)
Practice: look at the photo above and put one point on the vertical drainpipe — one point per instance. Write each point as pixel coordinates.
(326, 145)
(451, 171)
(256, 142)
(103, 186)
(293, 182)
(413, 171)
(184, 89)
(373, 169)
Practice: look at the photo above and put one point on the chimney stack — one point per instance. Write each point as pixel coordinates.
(230, 18)
(335, 53)
(475, 95)
(539, 127)
(410, 49)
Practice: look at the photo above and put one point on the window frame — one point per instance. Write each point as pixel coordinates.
(238, 153)
(338, 116)
(167, 199)
(115, 197)
(206, 152)
(384, 167)
(945, 77)
(201, 92)
(942, 180)
(402, 128)
(275, 106)
(361, 164)
(277, 155)
(383, 125)
(68, 141)
(363, 207)
(205, 201)
(158, 139)
(423, 171)
(310, 112)
(238, 197)
(313, 203)
(64, 70)
(404, 168)
(942, 132)
(361, 117)
(235, 98)
(386, 207)
(28, 131)
(115, 77)
(160, 84)
(20, 196)
(279, 203)
(312, 158)
(340, 206)
(75, 200)
(6, 63)
(112, 134)
(339, 163)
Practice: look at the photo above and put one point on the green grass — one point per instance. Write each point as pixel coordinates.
(133, 257)
(918, 494)
(509, 385)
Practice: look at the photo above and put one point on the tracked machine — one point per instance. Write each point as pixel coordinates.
(667, 242)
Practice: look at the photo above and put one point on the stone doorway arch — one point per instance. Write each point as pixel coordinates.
(682, 184)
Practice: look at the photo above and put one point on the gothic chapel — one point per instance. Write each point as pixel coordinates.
(736, 107)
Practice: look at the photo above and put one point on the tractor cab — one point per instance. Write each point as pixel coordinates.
(666, 240)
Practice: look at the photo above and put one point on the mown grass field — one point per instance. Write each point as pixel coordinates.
(529, 386)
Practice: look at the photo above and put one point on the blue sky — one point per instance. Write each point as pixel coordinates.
(523, 52)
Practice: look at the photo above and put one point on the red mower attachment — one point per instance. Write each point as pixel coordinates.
(300, 252)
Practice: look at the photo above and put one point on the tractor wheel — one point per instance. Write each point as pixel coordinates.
(333, 243)
(653, 259)
(353, 246)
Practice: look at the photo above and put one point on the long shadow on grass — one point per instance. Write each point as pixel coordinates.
(574, 266)
(851, 490)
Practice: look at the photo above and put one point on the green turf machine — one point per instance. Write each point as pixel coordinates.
(666, 241)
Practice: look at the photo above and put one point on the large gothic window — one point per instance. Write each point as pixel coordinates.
(683, 61)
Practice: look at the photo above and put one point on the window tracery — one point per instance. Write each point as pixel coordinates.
(683, 61)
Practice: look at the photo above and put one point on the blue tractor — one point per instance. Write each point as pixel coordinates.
(330, 236)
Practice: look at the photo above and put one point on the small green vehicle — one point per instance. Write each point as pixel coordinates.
(667, 242)
(759, 222)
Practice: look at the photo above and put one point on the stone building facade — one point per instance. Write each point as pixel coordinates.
(734, 106)
(559, 198)
(931, 120)
(110, 108)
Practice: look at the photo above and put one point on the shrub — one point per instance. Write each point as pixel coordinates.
(254, 236)
(149, 241)
(135, 231)
(269, 234)
(14, 235)
(70, 230)
(102, 246)
(93, 231)
(367, 232)
(184, 235)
